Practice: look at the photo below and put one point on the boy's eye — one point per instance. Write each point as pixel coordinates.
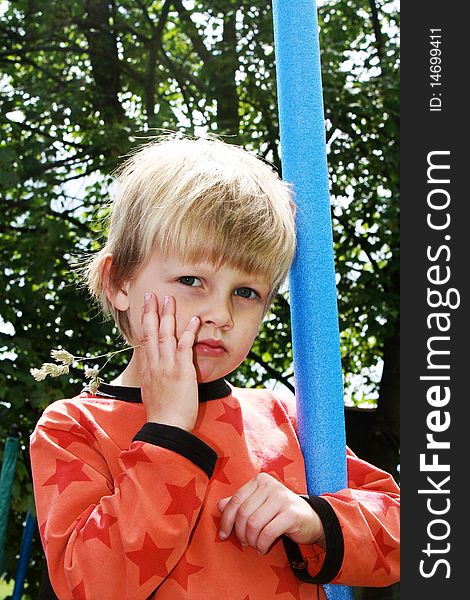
(190, 280)
(246, 293)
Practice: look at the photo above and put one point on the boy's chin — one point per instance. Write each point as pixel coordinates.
(206, 373)
(207, 377)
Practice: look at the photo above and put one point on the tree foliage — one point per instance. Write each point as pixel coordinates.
(86, 80)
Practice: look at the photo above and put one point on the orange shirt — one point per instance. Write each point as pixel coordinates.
(128, 509)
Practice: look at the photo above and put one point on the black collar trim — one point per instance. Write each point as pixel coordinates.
(212, 390)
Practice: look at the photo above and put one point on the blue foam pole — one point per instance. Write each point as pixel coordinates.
(25, 553)
(314, 312)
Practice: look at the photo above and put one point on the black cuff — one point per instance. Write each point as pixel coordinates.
(180, 441)
(334, 545)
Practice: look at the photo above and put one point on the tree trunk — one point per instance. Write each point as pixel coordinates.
(228, 120)
(104, 61)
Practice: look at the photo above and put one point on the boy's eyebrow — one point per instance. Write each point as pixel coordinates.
(255, 280)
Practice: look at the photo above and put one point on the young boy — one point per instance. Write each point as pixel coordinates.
(169, 482)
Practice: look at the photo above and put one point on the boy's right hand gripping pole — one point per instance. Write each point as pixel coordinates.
(314, 312)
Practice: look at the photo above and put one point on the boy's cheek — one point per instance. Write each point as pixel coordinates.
(240, 353)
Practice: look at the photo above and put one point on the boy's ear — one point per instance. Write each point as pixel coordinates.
(118, 296)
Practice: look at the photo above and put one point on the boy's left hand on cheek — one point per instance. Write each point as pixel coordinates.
(264, 509)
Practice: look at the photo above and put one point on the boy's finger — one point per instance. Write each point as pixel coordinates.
(187, 339)
(221, 504)
(144, 364)
(150, 325)
(231, 508)
(258, 522)
(274, 528)
(166, 333)
(252, 516)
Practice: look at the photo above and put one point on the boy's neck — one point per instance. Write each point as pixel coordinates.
(130, 377)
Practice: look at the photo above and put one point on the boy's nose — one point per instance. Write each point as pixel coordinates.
(218, 313)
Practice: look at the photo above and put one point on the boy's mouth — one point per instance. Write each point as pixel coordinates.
(210, 347)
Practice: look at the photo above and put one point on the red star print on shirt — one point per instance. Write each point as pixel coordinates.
(286, 584)
(361, 474)
(136, 454)
(78, 592)
(151, 560)
(219, 473)
(98, 527)
(184, 571)
(184, 500)
(232, 538)
(84, 425)
(66, 473)
(277, 465)
(384, 550)
(232, 416)
(279, 414)
(74, 434)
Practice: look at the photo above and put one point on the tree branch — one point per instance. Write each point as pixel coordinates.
(149, 19)
(366, 247)
(193, 34)
(25, 126)
(20, 52)
(64, 216)
(153, 45)
(267, 367)
(377, 31)
(178, 73)
(37, 67)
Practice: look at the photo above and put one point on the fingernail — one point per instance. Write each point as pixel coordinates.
(222, 535)
(166, 300)
(194, 319)
(147, 297)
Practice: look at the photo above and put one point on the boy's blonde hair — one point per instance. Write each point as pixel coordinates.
(203, 199)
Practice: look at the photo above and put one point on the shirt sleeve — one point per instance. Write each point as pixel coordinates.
(362, 532)
(108, 537)
(361, 523)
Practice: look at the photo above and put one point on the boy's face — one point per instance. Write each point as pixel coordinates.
(229, 303)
